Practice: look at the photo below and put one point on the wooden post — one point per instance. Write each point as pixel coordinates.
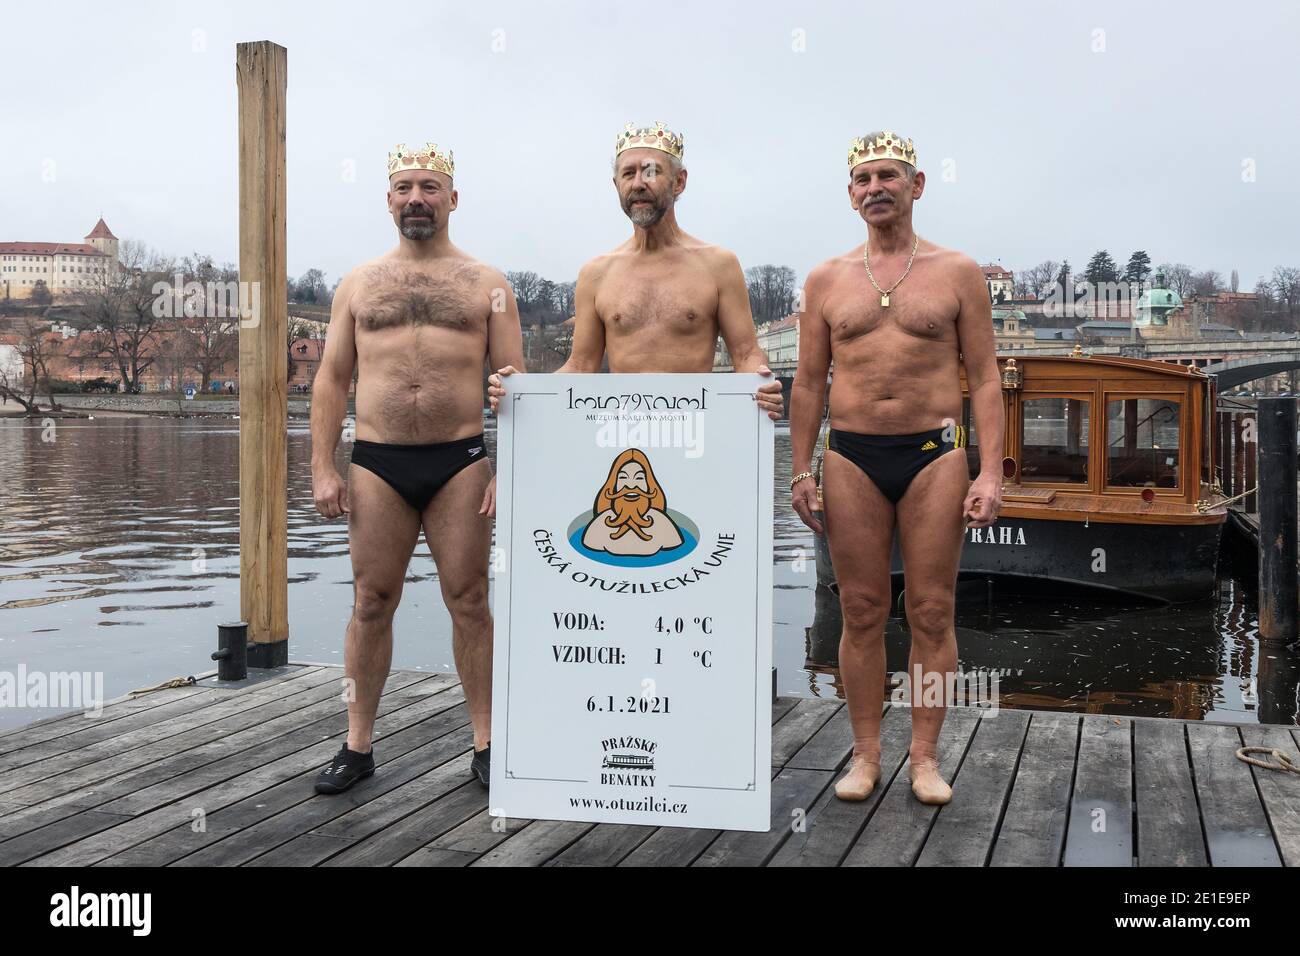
(1224, 434)
(1250, 462)
(261, 70)
(1239, 448)
(1277, 519)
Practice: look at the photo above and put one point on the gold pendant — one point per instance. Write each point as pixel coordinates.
(884, 300)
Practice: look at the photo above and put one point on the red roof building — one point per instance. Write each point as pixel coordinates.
(101, 231)
(63, 267)
(1001, 282)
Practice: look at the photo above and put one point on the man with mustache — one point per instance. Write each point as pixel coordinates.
(631, 500)
(658, 302)
(895, 315)
(416, 324)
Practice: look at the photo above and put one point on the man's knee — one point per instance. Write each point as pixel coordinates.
(375, 604)
(930, 616)
(467, 599)
(864, 612)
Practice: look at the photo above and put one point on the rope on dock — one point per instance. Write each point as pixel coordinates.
(1283, 761)
(165, 685)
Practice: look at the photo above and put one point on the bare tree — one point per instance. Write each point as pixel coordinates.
(1178, 277)
(121, 319)
(771, 291)
(526, 286)
(173, 357)
(546, 297)
(13, 378)
(37, 345)
(214, 335)
(1286, 289)
(1037, 280)
(1207, 283)
(311, 289)
(564, 295)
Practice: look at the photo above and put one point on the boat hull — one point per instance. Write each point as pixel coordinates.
(1165, 562)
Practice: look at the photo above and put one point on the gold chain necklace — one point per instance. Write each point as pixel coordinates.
(884, 293)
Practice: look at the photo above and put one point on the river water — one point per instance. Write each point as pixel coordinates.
(119, 555)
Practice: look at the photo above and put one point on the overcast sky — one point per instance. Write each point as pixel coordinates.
(1046, 130)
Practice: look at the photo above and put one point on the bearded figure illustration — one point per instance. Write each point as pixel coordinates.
(630, 512)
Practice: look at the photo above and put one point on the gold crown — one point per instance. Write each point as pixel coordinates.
(654, 137)
(887, 145)
(429, 156)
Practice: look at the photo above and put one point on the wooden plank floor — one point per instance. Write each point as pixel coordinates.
(208, 776)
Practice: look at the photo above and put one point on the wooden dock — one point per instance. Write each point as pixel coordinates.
(212, 776)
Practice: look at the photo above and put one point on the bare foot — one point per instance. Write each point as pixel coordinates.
(861, 779)
(927, 785)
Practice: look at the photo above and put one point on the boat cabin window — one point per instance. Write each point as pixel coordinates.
(1054, 440)
(1142, 442)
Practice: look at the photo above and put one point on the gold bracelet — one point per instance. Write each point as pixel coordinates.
(798, 478)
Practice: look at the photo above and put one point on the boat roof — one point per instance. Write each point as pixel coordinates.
(1146, 366)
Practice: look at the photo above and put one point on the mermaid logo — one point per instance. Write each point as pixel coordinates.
(629, 523)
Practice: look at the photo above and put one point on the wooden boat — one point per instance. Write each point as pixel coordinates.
(1109, 479)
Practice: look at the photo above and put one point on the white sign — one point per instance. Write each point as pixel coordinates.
(631, 676)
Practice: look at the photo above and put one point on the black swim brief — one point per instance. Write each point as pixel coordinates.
(892, 461)
(418, 472)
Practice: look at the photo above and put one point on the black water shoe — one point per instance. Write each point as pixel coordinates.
(480, 768)
(345, 769)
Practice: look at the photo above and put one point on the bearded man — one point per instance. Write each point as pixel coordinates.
(896, 315)
(659, 301)
(416, 324)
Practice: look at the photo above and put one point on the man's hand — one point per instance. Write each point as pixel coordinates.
(329, 491)
(983, 501)
(489, 506)
(803, 498)
(770, 397)
(495, 390)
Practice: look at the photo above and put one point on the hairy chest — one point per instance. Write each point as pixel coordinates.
(393, 299)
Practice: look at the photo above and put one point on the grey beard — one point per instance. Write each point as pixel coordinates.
(416, 230)
(645, 218)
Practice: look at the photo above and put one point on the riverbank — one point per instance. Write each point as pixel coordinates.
(116, 405)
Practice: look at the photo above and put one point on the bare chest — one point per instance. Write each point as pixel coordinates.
(919, 309)
(396, 299)
(680, 301)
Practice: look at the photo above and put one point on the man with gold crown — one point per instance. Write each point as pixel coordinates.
(416, 324)
(896, 316)
(658, 302)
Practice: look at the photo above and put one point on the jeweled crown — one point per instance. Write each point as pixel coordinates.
(653, 137)
(886, 145)
(429, 156)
